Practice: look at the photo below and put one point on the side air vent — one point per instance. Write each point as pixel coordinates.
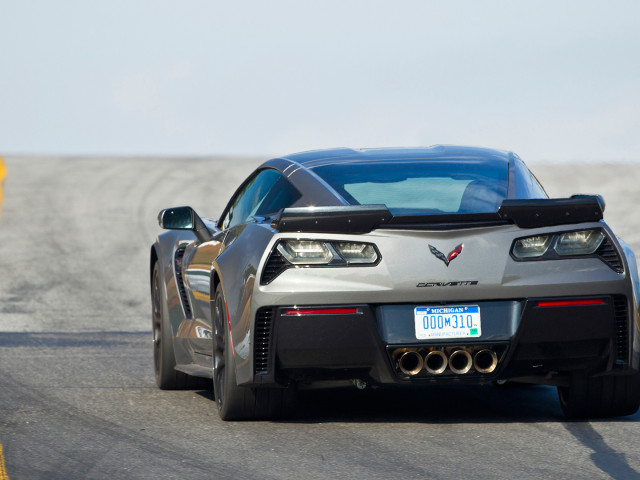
(609, 255)
(180, 282)
(262, 344)
(275, 265)
(622, 329)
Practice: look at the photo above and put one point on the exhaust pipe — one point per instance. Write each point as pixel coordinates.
(435, 362)
(410, 363)
(485, 361)
(460, 362)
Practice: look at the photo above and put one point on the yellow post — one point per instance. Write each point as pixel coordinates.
(3, 468)
(3, 174)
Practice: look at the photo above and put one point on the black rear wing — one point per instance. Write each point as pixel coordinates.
(365, 218)
(348, 219)
(553, 211)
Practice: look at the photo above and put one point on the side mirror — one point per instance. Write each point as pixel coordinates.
(599, 197)
(177, 218)
(184, 218)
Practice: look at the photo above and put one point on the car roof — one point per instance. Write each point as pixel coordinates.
(316, 158)
(299, 167)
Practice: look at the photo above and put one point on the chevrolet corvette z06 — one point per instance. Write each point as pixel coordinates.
(395, 267)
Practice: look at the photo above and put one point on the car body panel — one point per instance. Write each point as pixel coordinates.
(407, 275)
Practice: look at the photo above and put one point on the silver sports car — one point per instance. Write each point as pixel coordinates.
(396, 267)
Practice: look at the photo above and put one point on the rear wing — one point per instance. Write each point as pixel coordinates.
(348, 219)
(365, 218)
(553, 211)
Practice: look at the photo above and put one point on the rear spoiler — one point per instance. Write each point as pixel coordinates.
(365, 218)
(553, 211)
(348, 219)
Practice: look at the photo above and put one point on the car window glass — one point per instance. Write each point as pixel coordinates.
(421, 186)
(537, 188)
(527, 186)
(281, 195)
(266, 192)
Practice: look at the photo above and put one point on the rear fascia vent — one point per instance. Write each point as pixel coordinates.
(622, 330)
(275, 265)
(262, 344)
(609, 255)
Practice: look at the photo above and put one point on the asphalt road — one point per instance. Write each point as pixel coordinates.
(77, 395)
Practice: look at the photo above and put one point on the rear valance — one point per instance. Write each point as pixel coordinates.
(365, 218)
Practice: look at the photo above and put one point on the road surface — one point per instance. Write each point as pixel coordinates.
(77, 394)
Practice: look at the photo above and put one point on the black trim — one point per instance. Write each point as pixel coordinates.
(608, 254)
(352, 219)
(262, 343)
(177, 266)
(364, 218)
(276, 264)
(622, 331)
(399, 223)
(549, 212)
(551, 344)
(563, 339)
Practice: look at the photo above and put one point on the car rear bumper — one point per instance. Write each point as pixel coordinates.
(539, 338)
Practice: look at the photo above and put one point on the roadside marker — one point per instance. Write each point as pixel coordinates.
(3, 174)
(3, 469)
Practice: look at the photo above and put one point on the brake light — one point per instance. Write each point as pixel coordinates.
(571, 303)
(321, 311)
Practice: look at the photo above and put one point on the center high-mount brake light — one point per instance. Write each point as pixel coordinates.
(321, 311)
(571, 303)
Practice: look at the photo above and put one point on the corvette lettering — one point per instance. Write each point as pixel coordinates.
(463, 283)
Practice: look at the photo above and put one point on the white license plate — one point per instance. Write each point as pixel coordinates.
(450, 321)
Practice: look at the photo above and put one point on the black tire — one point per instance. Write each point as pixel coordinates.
(164, 362)
(600, 397)
(237, 402)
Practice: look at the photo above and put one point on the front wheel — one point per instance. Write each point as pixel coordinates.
(600, 397)
(236, 402)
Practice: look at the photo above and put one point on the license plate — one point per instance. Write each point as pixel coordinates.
(451, 321)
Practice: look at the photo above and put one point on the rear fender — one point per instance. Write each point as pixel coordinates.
(632, 269)
(237, 267)
(165, 249)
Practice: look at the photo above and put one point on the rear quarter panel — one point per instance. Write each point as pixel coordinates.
(237, 266)
(165, 247)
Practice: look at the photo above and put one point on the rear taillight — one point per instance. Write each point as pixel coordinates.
(322, 311)
(532, 247)
(579, 243)
(290, 253)
(583, 242)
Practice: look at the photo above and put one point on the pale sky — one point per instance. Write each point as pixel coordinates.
(550, 80)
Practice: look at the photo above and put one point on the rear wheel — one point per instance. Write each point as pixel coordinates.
(600, 397)
(164, 362)
(235, 402)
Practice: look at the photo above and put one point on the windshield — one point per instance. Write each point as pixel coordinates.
(428, 186)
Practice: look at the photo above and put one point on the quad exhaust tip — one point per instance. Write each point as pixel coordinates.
(436, 362)
(410, 363)
(485, 361)
(460, 362)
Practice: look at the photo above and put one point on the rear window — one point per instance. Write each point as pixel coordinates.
(421, 186)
